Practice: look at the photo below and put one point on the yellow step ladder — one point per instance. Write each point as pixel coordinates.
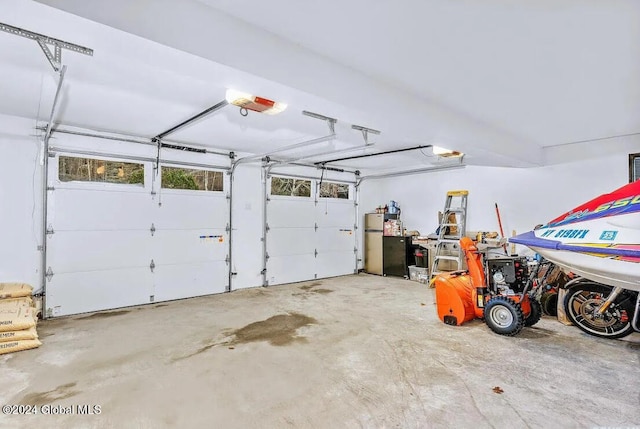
(452, 228)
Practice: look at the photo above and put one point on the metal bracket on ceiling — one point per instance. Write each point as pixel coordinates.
(331, 122)
(365, 133)
(55, 57)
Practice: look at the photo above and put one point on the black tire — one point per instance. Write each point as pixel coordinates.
(582, 301)
(504, 316)
(536, 313)
(549, 303)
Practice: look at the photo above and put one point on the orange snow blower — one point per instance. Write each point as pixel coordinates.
(496, 288)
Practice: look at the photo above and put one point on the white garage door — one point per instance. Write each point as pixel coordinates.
(335, 237)
(190, 244)
(115, 241)
(309, 235)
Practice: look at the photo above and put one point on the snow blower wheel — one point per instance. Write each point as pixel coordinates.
(536, 313)
(504, 316)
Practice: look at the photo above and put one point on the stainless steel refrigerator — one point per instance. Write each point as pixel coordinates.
(373, 224)
(374, 242)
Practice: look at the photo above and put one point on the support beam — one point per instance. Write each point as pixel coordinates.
(365, 132)
(410, 172)
(191, 120)
(55, 58)
(45, 190)
(372, 154)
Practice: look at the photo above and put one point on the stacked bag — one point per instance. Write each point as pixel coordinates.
(18, 318)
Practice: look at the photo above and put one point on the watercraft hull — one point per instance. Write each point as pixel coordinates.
(599, 240)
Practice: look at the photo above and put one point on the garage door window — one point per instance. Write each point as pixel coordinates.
(634, 167)
(334, 190)
(290, 187)
(197, 180)
(72, 169)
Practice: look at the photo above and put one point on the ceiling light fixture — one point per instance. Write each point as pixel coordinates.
(446, 153)
(252, 102)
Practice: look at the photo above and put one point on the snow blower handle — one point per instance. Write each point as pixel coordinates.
(504, 246)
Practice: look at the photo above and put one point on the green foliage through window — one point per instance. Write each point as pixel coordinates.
(334, 190)
(197, 180)
(290, 187)
(99, 170)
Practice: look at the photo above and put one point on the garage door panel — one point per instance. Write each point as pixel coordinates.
(179, 246)
(102, 247)
(290, 269)
(333, 264)
(190, 279)
(334, 213)
(195, 209)
(76, 251)
(290, 213)
(92, 209)
(81, 292)
(290, 241)
(335, 239)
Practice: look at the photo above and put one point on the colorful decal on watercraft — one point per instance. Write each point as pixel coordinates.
(608, 235)
(621, 201)
(565, 233)
(627, 252)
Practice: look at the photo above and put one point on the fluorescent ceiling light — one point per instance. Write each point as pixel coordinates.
(440, 151)
(252, 102)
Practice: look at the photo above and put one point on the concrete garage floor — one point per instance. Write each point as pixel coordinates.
(357, 351)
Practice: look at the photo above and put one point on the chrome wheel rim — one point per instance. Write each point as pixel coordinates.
(501, 316)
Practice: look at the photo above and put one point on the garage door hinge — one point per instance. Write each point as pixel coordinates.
(268, 199)
(50, 230)
(266, 256)
(50, 188)
(355, 204)
(315, 226)
(152, 229)
(227, 228)
(152, 265)
(315, 253)
(153, 192)
(266, 227)
(49, 274)
(226, 259)
(52, 154)
(228, 197)
(355, 227)
(355, 250)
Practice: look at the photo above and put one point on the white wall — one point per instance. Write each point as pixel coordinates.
(526, 197)
(20, 201)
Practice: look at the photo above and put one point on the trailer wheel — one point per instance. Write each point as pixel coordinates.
(536, 313)
(504, 316)
(549, 301)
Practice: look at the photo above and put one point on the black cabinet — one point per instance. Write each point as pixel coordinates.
(395, 251)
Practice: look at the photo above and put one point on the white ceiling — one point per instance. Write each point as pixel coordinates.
(550, 71)
(496, 79)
